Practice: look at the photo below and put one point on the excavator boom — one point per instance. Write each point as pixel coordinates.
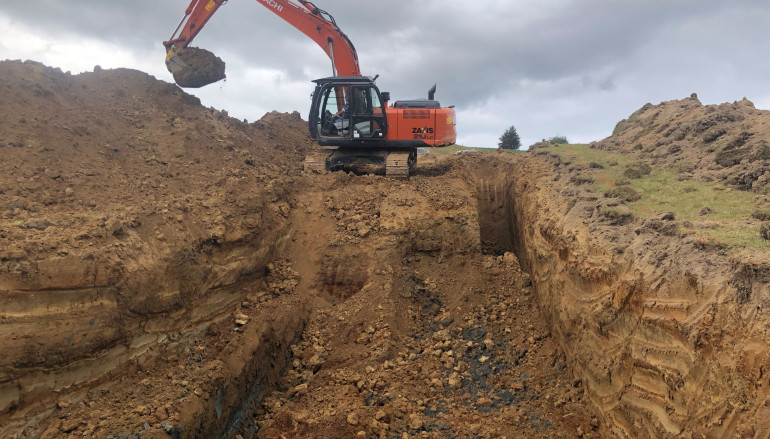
(196, 67)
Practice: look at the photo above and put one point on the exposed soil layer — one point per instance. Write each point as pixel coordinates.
(168, 271)
(666, 329)
(129, 219)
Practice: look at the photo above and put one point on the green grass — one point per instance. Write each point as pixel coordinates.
(661, 191)
(451, 149)
(735, 237)
(447, 150)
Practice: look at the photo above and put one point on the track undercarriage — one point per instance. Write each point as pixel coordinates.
(393, 163)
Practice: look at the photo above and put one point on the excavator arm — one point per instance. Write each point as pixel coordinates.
(316, 23)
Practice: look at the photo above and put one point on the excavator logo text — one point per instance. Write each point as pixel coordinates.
(274, 4)
(423, 133)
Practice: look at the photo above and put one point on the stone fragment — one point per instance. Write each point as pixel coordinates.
(70, 425)
(241, 319)
(415, 423)
(484, 402)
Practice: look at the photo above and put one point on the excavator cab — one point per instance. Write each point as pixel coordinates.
(347, 111)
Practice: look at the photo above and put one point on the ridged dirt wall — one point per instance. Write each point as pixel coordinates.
(79, 319)
(668, 340)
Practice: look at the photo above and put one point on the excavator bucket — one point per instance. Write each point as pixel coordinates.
(193, 67)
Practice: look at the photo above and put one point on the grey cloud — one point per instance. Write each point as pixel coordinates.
(619, 53)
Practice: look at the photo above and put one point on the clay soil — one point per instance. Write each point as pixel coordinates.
(168, 271)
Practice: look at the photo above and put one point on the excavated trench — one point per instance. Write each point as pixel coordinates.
(458, 303)
(361, 305)
(339, 276)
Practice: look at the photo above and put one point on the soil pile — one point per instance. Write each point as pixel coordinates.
(710, 143)
(123, 203)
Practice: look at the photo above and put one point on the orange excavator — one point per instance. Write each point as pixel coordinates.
(350, 118)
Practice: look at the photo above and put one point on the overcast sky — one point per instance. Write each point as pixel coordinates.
(548, 67)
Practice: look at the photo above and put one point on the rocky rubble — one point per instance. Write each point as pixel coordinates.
(450, 349)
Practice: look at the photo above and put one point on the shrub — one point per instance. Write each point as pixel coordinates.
(762, 215)
(617, 216)
(731, 157)
(580, 179)
(764, 231)
(626, 193)
(637, 171)
(763, 153)
(558, 140)
(714, 134)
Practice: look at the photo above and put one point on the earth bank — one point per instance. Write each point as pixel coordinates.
(168, 271)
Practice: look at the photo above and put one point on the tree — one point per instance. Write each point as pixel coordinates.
(510, 139)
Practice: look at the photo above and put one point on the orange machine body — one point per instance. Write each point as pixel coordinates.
(434, 126)
(410, 124)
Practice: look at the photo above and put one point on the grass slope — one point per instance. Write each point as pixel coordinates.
(716, 214)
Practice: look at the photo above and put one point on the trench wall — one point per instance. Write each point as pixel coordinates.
(663, 348)
(80, 320)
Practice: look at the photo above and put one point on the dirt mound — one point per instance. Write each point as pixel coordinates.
(123, 202)
(97, 154)
(726, 142)
(166, 270)
(193, 67)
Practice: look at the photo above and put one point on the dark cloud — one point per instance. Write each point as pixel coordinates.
(588, 63)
